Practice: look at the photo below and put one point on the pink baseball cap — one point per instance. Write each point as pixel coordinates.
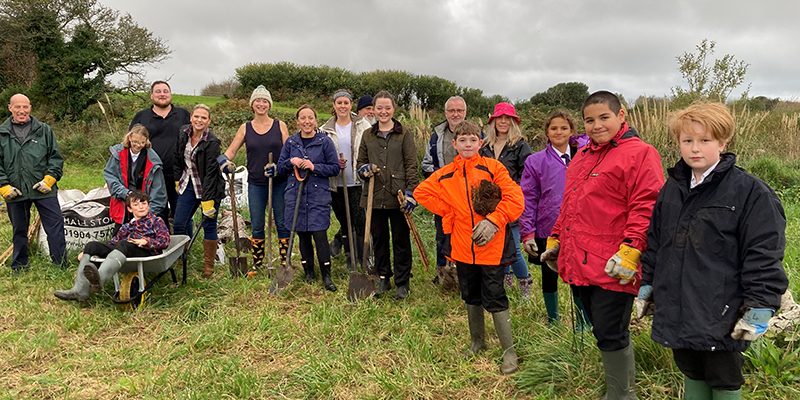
(504, 109)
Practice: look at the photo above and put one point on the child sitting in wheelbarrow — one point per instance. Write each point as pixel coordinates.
(144, 236)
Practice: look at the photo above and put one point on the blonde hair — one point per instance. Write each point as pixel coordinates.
(137, 129)
(514, 134)
(713, 117)
(204, 107)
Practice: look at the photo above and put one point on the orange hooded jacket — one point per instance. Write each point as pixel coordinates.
(448, 193)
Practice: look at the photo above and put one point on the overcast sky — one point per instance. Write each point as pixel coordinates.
(512, 48)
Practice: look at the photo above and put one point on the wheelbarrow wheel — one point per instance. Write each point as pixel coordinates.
(129, 289)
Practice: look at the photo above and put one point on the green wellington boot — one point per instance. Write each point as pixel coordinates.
(551, 305)
(727, 394)
(79, 291)
(620, 369)
(97, 277)
(695, 390)
(477, 330)
(502, 324)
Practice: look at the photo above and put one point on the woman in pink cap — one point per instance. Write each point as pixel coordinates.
(505, 143)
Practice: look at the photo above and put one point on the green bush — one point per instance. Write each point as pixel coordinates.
(778, 173)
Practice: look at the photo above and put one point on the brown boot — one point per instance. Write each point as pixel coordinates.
(209, 254)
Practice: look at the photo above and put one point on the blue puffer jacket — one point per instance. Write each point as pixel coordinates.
(315, 206)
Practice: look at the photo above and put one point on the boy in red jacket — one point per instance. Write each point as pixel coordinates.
(477, 237)
(601, 231)
(143, 236)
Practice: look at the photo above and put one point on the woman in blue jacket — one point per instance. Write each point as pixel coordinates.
(312, 156)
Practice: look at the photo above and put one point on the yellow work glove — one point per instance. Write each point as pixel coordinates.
(550, 255)
(177, 184)
(624, 264)
(208, 208)
(9, 192)
(45, 185)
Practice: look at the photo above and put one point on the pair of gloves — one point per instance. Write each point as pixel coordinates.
(44, 186)
(369, 170)
(622, 265)
(271, 170)
(751, 326)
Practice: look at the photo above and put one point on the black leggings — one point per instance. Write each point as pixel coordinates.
(307, 248)
(549, 277)
(101, 249)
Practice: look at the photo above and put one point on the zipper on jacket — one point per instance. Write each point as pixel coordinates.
(585, 256)
(725, 310)
(469, 203)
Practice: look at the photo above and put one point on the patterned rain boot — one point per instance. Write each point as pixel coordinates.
(258, 257)
(283, 249)
(525, 287)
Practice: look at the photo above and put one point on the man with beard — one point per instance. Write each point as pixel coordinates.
(365, 108)
(30, 166)
(163, 121)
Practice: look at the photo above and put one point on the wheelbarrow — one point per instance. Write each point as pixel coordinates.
(131, 289)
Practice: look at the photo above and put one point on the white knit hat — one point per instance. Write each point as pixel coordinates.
(261, 93)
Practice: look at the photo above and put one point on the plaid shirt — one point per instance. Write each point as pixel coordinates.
(190, 159)
(149, 227)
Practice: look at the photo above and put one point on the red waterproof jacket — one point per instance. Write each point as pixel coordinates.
(448, 192)
(608, 200)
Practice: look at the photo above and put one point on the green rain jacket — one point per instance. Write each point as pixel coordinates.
(23, 165)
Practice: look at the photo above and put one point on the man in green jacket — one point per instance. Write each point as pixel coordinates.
(30, 166)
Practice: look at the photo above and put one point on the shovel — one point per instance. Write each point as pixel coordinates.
(238, 264)
(285, 273)
(361, 285)
(414, 232)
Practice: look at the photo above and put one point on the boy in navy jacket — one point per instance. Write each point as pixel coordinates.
(712, 266)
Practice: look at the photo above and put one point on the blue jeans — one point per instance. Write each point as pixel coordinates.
(520, 267)
(185, 208)
(257, 198)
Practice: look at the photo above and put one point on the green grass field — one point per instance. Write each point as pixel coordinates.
(227, 338)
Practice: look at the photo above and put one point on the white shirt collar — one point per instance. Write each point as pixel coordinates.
(703, 177)
(559, 154)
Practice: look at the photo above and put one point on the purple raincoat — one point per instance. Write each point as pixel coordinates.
(543, 179)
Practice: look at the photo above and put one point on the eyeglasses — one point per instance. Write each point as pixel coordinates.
(455, 111)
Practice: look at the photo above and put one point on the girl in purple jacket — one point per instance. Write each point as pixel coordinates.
(542, 185)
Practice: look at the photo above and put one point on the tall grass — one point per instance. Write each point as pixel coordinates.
(759, 134)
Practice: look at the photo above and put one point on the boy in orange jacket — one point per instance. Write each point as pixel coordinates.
(477, 241)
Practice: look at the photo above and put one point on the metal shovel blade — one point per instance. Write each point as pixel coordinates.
(237, 266)
(361, 286)
(283, 277)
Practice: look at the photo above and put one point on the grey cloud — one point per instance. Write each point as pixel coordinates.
(515, 48)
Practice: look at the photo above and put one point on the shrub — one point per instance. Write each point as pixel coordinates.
(224, 88)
